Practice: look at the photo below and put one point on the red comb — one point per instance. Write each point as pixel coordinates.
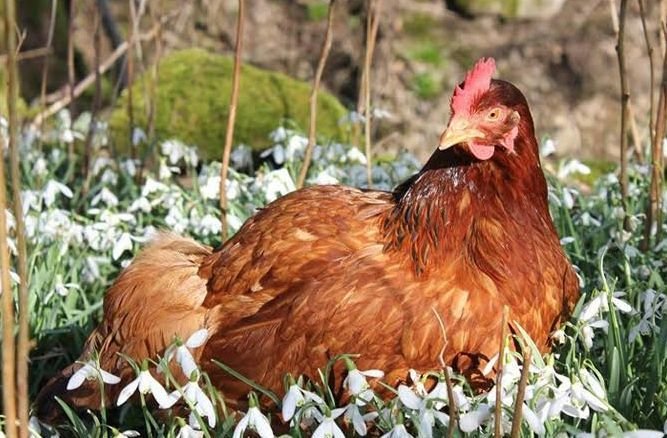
(477, 81)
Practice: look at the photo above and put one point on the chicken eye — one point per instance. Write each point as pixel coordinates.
(493, 114)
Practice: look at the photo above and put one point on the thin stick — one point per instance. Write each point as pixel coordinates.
(70, 75)
(523, 383)
(8, 346)
(453, 409)
(649, 51)
(373, 15)
(229, 135)
(625, 98)
(97, 101)
(88, 80)
(130, 77)
(654, 207)
(45, 64)
(499, 375)
(29, 54)
(155, 11)
(312, 127)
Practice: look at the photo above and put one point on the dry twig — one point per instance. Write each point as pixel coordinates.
(625, 99)
(372, 23)
(499, 375)
(97, 101)
(8, 345)
(88, 80)
(45, 65)
(70, 75)
(312, 127)
(453, 409)
(229, 135)
(649, 52)
(521, 393)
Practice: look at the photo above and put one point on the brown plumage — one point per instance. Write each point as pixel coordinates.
(329, 269)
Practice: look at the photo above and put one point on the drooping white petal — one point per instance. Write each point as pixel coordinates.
(124, 243)
(159, 393)
(185, 360)
(643, 433)
(260, 423)
(108, 377)
(473, 419)
(197, 339)
(409, 398)
(79, 377)
(533, 420)
(205, 406)
(241, 427)
(126, 392)
(374, 374)
(291, 400)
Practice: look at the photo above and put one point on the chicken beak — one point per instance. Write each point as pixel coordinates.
(458, 131)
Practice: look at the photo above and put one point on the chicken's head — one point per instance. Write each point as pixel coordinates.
(480, 119)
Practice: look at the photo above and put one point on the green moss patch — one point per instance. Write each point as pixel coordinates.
(193, 93)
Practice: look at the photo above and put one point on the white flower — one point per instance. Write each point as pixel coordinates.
(358, 420)
(188, 432)
(210, 189)
(196, 397)
(277, 183)
(140, 204)
(571, 167)
(356, 383)
(138, 136)
(52, 189)
(40, 168)
(105, 195)
(182, 353)
(126, 434)
(124, 243)
(90, 370)
(354, 155)
(548, 148)
(256, 421)
(328, 427)
(472, 420)
(145, 383)
(295, 397)
(63, 289)
(428, 407)
(398, 431)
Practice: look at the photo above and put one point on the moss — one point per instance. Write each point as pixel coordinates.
(193, 98)
(427, 52)
(426, 86)
(419, 25)
(317, 10)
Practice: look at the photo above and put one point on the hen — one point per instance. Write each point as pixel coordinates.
(328, 270)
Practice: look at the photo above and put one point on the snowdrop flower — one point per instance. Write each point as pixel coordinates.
(195, 397)
(354, 155)
(140, 204)
(105, 195)
(188, 432)
(548, 147)
(472, 420)
(277, 183)
(398, 431)
(428, 407)
(124, 243)
(256, 421)
(138, 136)
(207, 225)
(40, 168)
(241, 157)
(175, 151)
(571, 167)
(145, 383)
(356, 383)
(353, 415)
(182, 352)
(125, 434)
(90, 370)
(379, 113)
(295, 397)
(63, 289)
(54, 188)
(328, 427)
(210, 189)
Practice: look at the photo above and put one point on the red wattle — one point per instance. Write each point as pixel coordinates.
(482, 152)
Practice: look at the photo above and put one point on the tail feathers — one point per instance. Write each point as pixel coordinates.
(154, 300)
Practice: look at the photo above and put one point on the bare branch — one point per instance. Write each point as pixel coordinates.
(625, 99)
(521, 393)
(499, 375)
(649, 51)
(8, 345)
(229, 135)
(312, 127)
(453, 409)
(89, 80)
(372, 23)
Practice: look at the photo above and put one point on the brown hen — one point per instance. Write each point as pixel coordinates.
(328, 270)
